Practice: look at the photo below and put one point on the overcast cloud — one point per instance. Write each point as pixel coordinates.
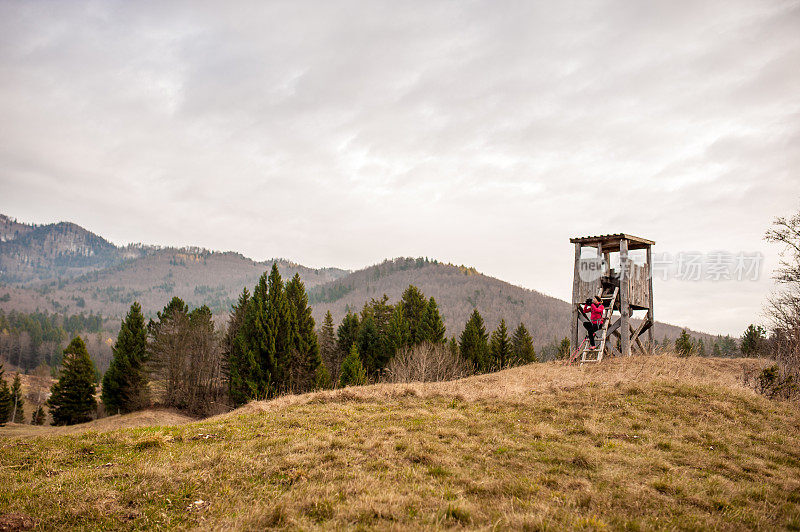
(342, 133)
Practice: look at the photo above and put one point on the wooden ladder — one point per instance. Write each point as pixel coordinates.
(596, 355)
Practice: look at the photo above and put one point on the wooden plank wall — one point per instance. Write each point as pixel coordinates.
(639, 286)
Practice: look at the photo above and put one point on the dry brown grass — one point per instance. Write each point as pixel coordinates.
(549, 378)
(639, 444)
(146, 418)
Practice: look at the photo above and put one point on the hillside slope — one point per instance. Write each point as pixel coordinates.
(642, 443)
(31, 253)
(197, 276)
(457, 290)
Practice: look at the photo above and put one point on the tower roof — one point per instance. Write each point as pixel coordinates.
(612, 241)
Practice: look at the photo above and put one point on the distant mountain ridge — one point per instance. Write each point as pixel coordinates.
(65, 268)
(30, 253)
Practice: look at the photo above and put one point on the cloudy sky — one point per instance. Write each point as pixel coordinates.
(340, 133)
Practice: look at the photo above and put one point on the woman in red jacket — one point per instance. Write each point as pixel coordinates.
(595, 311)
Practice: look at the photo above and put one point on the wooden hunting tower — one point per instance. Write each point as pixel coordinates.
(625, 291)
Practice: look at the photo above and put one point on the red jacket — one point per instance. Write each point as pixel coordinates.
(597, 311)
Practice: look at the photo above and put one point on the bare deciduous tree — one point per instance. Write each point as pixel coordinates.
(426, 362)
(186, 362)
(783, 307)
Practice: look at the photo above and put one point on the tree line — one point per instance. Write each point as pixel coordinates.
(31, 339)
(270, 347)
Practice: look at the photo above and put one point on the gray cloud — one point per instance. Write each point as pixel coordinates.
(341, 133)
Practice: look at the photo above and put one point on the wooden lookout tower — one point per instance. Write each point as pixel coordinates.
(624, 291)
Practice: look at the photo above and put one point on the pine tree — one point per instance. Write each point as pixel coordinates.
(256, 341)
(683, 344)
(322, 378)
(500, 347)
(280, 327)
(453, 347)
(327, 348)
(370, 347)
(522, 346)
(715, 351)
(240, 366)
(125, 384)
(753, 341)
(474, 344)
(398, 334)
(72, 396)
(563, 349)
(6, 406)
(432, 328)
(17, 401)
(38, 417)
(347, 333)
(353, 373)
(413, 303)
(701, 348)
(305, 359)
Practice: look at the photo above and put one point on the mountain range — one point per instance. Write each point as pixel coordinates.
(64, 268)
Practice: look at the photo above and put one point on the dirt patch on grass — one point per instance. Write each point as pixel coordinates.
(16, 521)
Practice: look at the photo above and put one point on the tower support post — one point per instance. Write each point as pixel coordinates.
(650, 298)
(575, 286)
(625, 333)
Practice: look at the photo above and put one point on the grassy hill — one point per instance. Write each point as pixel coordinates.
(457, 290)
(641, 443)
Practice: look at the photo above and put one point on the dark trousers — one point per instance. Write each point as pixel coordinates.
(591, 328)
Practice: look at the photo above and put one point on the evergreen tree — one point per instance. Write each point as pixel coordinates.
(72, 396)
(327, 348)
(432, 328)
(125, 382)
(453, 347)
(280, 327)
(370, 347)
(474, 344)
(353, 373)
(305, 359)
(701, 348)
(257, 344)
(564, 349)
(347, 333)
(727, 345)
(752, 343)
(17, 401)
(6, 406)
(398, 334)
(500, 347)
(381, 312)
(683, 344)
(413, 303)
(38, 417)
(322, 378)
(522, 346)
(716, 351)
(240, 364)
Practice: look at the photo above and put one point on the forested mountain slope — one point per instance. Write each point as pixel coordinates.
(458, 290)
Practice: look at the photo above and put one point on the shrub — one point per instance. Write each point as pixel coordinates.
(353, 373)
(427, 362)
(773, 383)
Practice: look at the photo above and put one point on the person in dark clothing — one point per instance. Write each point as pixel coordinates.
(595, 311)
